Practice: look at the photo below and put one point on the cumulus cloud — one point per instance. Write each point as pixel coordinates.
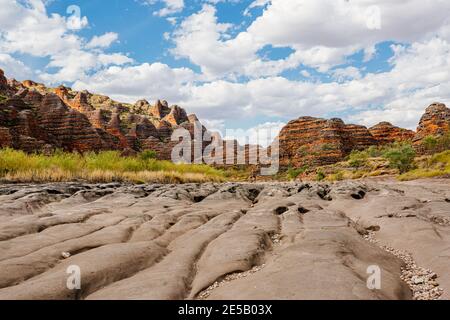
(103, 41)
(13, 66)
(399, 95)
(170, 7)
(262, 134)
(201, 39)
(343, 74)
(131, 83)
(326, 32)
(26, 28)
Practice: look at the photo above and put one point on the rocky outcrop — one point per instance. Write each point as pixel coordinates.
(3, 81)
(34, 118)
(435, 122)
(176, 116)
(385, 133)
(315, 141)
(160, 109)
(69, 129)
(80, 103)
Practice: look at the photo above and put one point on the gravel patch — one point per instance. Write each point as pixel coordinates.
(276, 239)
(422, 282)
(234, 276)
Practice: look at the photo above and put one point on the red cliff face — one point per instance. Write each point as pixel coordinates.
(386, 133)
(435, 122)
(32, 119)
(315, 141)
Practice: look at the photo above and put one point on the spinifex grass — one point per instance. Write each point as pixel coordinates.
(108, 166)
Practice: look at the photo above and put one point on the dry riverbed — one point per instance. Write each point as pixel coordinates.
(226, 241)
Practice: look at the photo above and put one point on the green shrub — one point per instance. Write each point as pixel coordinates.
(401, 157)
(293, 173)
(443, 143)
(326, 147)
(358, 159)
(303, 151)
(148, 154)
(320, 175)
(439, 165)
(374, 151)
(430, 144)
(442, 158)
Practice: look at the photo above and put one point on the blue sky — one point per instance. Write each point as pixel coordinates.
(240, 64)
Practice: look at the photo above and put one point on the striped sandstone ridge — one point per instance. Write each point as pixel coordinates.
(386, 133)
(435, 122)
(36, 118)
(315, 141)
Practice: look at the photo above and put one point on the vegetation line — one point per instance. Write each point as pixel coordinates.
(108, 166)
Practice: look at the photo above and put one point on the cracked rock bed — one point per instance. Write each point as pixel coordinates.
(226, 241)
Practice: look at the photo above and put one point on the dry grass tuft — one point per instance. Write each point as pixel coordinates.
(17, 166)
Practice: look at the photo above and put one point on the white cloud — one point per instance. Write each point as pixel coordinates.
(26, 28)
(29, 30)
(326, 32)
(131, 83)
(262, 134)
(305, 73)
(400, 95)
(12, 66)
(103, 41)
(170, 7)
(255, 4)
(200, 38)
(343, 74)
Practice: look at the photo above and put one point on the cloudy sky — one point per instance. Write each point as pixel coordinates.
(240, 64)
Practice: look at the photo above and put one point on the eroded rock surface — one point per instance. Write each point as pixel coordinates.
(223, 241)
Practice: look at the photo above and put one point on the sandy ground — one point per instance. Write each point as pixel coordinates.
(226, 241)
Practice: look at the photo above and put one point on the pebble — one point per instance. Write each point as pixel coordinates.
(421, 281)
(65, 255)
(276, 239)
(234, 276)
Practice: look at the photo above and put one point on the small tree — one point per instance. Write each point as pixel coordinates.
(357, 159)
(401, 157)
(444, 142)
(430, 144)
